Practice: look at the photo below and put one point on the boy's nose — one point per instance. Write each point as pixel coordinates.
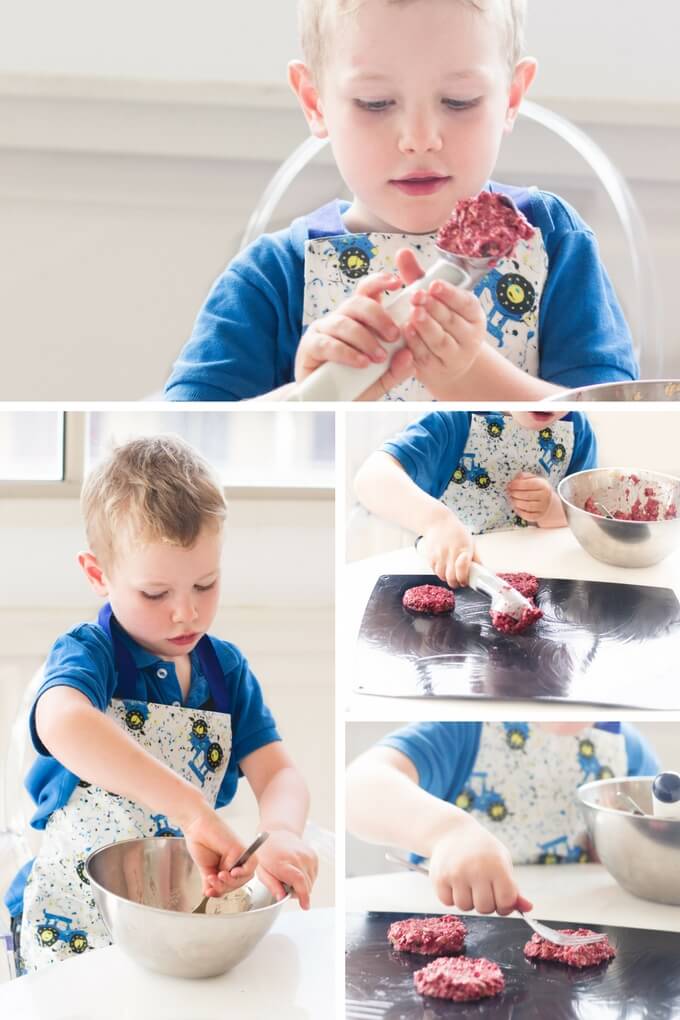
(184, 611)
(420, 133)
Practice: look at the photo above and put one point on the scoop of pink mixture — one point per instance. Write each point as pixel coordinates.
(488, 226)
(589, 955)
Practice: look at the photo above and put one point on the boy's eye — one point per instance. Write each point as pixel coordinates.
(154, 598)
(461, 104)
(205, 587)
(374, 105)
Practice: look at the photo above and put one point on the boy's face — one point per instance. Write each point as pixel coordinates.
(415, 99)
(536, 420)
(163, 595)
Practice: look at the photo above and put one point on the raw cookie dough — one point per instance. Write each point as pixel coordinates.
(573, 956)
(462, 980)
(487, 226)
(235, 902)
(429, 598)
(429, 936)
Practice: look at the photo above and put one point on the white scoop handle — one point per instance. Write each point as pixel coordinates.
(504, 598)
(345, 382)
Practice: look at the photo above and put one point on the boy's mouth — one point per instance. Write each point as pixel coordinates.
(420, 183)
(183, 639)
(541, 416)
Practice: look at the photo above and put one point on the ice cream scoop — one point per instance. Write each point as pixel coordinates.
(506, 602)
(464, 269)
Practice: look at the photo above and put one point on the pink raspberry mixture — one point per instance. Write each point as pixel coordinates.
(428, 936)
(484, 227)
(589, 955)
(462, 980)
(429, 598)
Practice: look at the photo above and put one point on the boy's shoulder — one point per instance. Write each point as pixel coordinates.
(86, 639)
(230, 657)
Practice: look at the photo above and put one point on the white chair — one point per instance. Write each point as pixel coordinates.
(641, 304)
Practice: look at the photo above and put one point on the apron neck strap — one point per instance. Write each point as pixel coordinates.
(127, 671)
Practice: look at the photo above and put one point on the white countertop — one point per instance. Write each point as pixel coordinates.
(547, 553)
(289, 976)
(580, 893)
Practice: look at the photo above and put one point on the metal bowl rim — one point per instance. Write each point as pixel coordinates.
(163, 910)
(583, 790)
(564, 397)
(595, 471)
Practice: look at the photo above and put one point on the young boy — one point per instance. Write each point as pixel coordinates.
(415, 96)
(476, 798)
(143, 723)
(455, 474)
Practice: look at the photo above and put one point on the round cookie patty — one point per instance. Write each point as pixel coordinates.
(429, 936)
(573, 956)
(525, 584)
(428, 598)
(462, 979)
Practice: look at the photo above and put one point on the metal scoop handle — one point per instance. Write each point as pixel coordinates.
(344, 382)
(504, 598)
(245, 856)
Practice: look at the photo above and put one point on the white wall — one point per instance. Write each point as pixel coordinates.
(610, 49)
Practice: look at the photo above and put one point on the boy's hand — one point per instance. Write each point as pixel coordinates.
(449, 548)
(471, 869)
(445, 332)
(214, 849)
(349, 335)
(285, 859)
(531, 497)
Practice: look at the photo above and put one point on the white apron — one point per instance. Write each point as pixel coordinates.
(510, 293)
(496, 450)
(523, 788)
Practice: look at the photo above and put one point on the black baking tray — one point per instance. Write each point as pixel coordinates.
(643, 980)
(598, 643)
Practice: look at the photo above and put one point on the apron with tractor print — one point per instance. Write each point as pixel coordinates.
(509, 293)
(496, 450)
(60, 916)
(523, 787)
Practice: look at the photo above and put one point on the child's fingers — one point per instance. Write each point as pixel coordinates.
(523, 904)
(525, 484)
(483, 898)
(401, 367)
(505, 895)
(443, 891)
(408, 267)
(529, 501)
(462, 896)
(272, 883)
(462, 567)
(298, 881)
(374, 285)
(452, 323)
(463, 302)
(422, 355)
(350, 333)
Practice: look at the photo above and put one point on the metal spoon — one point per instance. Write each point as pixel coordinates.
(606, 512)
(246, 855)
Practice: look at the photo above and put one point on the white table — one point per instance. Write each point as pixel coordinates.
(547, 553)
(288, 976)
(580, 893)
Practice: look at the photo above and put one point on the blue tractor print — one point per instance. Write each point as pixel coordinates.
(56, 928)
(516, 735)
(512, 297)
(208, 754)
(588, 760)
(476, 797)
(495, 424)
(552, 452)
(136, 714)
(163, 827)
(354, 254)
(470, 471)
(568, 855)
(519, 522)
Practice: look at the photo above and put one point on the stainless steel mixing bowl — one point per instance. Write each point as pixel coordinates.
(661, 390)
(622, 543)
(641, 852)
(146, 889)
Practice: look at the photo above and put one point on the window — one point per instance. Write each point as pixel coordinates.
(32, 446)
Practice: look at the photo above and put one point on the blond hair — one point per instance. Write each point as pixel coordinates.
(152, 489)
(315, 19)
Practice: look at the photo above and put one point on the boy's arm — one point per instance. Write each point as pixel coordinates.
(283, 800)
(469, 868)
(493, 377)
(103, 754)
(384, 487)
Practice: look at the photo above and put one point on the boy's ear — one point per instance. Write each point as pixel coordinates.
(302, 83)
(522, 79)
(93, 572)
